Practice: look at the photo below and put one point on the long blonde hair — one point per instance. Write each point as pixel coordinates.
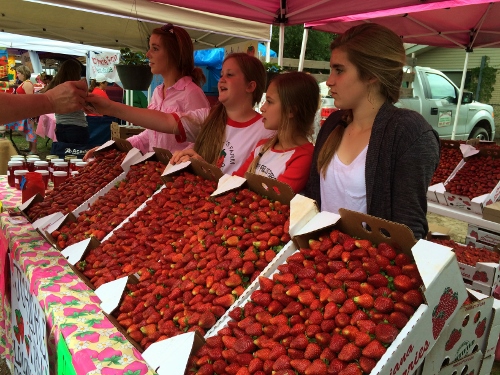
(376, 52)
(299, 95)
(210, 141)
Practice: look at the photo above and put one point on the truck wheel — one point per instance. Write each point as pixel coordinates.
(479, 133)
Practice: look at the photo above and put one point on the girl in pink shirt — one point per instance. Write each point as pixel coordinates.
(292, 100)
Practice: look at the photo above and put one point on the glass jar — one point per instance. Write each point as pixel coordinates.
(58, 177)
(41, 165)
(51, 165)
(33, 185)
(30, 163)
(18, 174)
(72, 163)
(19, 158)
(45, 176)
(12, 166)
(79, 166)
(61, 166)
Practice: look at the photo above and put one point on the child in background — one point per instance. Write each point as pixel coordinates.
(292, 100)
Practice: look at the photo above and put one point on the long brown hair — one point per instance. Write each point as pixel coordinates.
(180, 52)
(210, 141)
(376, 52)
(299, 95)
(70, 70)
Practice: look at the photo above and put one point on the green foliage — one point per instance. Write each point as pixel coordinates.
(488, 79)
(318, 43)
(128, 57)
(272, 67)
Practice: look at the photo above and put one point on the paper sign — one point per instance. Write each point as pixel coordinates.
(110, 294)
(444, 119)
(29, 335)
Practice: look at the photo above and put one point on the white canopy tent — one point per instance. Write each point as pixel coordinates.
(122, 23)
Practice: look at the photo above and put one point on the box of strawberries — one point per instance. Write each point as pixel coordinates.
(357, 295)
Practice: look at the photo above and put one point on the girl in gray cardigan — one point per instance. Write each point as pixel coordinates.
(370, 156)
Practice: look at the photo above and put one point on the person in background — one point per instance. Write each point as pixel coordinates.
(67, 97)
(292, 100)
(171, 55)
(371, 156)
(70, 127)
(26, 125)
(47, 78)
(98, 85)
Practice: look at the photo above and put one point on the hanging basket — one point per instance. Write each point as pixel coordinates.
(135, 77)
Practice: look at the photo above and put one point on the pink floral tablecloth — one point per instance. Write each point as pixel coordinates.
(70, 307)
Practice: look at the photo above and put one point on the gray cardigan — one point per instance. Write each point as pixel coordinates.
(403, 153)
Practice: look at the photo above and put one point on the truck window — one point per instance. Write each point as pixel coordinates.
(440, 87)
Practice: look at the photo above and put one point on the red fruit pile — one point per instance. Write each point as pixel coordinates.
(469, 254)
(194, 256)
(141, 181)
(450, 157)
(478, 176)
(76, 190)
(333, 308)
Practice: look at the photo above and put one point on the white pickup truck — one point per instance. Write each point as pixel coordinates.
(435, 96)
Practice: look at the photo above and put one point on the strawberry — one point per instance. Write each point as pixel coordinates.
(374, 350)
(207, 320)
(266, 284)
(282, 363)
(299, 342)
(363, 244)
(349, 353)
(274, 307)
(403, 283)
(398, 319)
(336, 366)
(386, 250)
(260, 298)
(256, 364)
(225, 301)
(337, 343)
(293, 308)
(300, 365)
(365, 301)
(294, 291)
(377, 280)
(367, 326)
(367, 364)
(351, 369)
(349, 244)
(215, 342)
(413, 298)
(402, 259)
(312, 351)
(386, 333)
(404, 308)
(348, 307)
(317, 367)
(342, 320)
(362, 339)
(244, 345)
(331, 309)
(383, 304)
(337, 296)
(306, 297)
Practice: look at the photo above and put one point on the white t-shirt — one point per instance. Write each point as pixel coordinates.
(344, 185)
(240, 139)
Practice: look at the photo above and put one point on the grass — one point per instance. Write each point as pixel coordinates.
(43, 146)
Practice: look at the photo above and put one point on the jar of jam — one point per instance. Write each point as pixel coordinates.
(79, 166)
(61, 166)
(19, 158)
(30, 163)
(58, 177)
(45, 176)
(18, 175)
(72, 163)
(41, 165)
(33, 185)
(12, 166)
(51, 165)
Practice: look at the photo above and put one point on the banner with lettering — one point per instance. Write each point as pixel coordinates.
(29, 327)
(104, 63)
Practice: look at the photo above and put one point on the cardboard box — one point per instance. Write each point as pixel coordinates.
(467, 365)
(466, 334)
(484, 235)
(471, 241)
(437, 265)
(124, 131)
(475, 204)
(492, 212)
(438, 232)
(435, 193)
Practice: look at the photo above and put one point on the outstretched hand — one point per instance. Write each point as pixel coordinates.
(97, 104)
(68, 96)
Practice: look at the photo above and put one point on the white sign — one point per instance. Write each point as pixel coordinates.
(29, 327)
(104, 63)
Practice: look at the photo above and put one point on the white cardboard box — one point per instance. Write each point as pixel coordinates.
(484, 235)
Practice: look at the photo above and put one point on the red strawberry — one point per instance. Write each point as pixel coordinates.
(225, 300)
(300, 342)
(403, 283)
(312, 351)
(351, 369)
(362, 339)
(300, 365)
(386, 333)
(331, 309)
(367, 364)
(365, 301)
(337, 296)
(386, 250)
(398, 319)
(244, 345)
(402, 260)
(349, 353)
(377, 280)
(306, 297)
(317, 367)
(207, 320)
(374, 350)
(266, 285)
(281, 363)
(413, 298)
(337, 343)
(383, 304)
(367, 326)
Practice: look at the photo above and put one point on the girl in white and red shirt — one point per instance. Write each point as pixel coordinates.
(292, 100)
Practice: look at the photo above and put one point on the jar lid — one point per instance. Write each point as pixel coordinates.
(41, 162)
(58, 173)
(42, 172)
(32, 157)
(48, 157)
(74, 173)
(68, 157)
(20, 172)
(61, 164)
(74, 161)
(81, 164)
(56, 160)
(17, 156)
(14, 163)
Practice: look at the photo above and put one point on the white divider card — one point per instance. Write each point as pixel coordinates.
(170, 168)
(228, 182)
(44, 222)
(170, 356)
(468, 150)
(26, 204)
(29, 335)
(74, 253)
(110, 294)
(108, 143)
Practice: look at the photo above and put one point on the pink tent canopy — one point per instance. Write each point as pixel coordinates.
(293, 12)
(469, 24)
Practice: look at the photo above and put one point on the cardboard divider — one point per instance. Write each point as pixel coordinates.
(92, 244)
(162, 154)
(197, 167)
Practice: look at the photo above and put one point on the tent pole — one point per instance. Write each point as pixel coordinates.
(281, 44)
(303, 49)
(460, 94)
(268, 44)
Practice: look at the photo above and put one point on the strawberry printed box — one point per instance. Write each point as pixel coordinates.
(469, 365)
(317, 315)
(466, 333)
(492, 339)
(475, 182)
(484, 235)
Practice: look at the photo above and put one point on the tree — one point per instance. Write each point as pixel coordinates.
(318, 43)
(488, 79)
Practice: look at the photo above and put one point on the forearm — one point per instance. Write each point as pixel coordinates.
(147, 118)
(18, 107)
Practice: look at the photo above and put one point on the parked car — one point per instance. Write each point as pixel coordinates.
(431, 93)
